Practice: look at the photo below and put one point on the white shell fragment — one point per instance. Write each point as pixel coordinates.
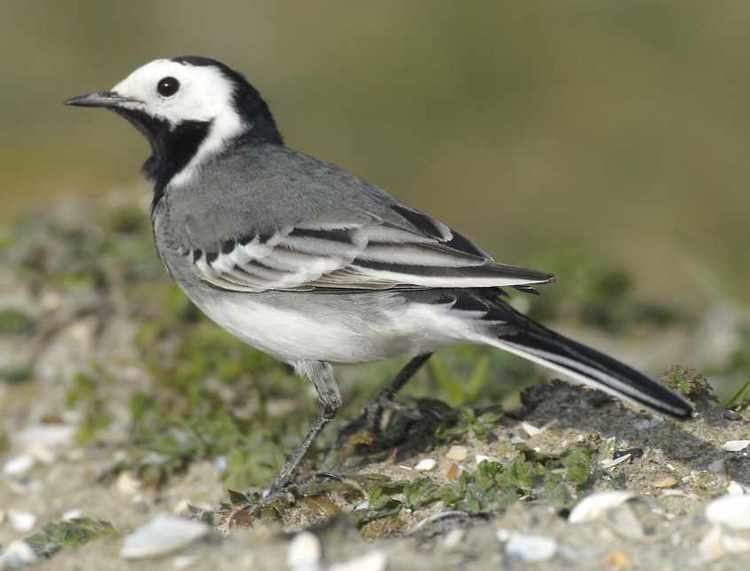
(18, 465)
(530, 429)
(732, 511)
(596, 505)
(736, 445)
(609, 463)
(373, 561)
(162, 535)
(735, 489)
(304, 552)
(17, 555)
(21, 521)
(479, 458)
(625, 523)
(530, 547)
(425, 465)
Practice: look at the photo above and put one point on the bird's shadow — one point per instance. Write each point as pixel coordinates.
(695, 443)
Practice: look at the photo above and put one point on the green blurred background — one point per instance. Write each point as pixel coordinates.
(614, 128)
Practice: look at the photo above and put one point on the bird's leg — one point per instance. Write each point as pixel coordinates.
(321, 376)
(385, 397)
(373, 413)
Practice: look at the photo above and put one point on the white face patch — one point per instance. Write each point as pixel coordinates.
(204, 94)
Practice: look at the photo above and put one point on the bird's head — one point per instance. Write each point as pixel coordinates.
(189, 108)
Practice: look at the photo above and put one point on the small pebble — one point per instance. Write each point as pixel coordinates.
(457, 453)
(363, 505)
(736, 445)
(425, 465)
(304, 552)
(732, 415)
(162, 535)
(454, 538)
(127, 484)
(479, 458)
(373, 561)
(182, 508)
(17, 555)
(21, 521)
(530, 547)
(732, 511)
(184, 561)
(72, 514)
(596, 505)
(18, 465)
(617, 560)
(665, 482)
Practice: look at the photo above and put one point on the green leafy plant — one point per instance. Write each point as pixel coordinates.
(740, 399)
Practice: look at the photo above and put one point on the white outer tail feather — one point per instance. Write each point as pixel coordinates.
(598, 380)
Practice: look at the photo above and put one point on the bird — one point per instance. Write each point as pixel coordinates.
(313, 265)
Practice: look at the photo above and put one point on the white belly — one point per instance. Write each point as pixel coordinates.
(339, 336)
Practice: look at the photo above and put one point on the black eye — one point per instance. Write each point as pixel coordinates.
(167, 86)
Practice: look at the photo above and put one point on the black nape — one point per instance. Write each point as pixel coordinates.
(247, 101)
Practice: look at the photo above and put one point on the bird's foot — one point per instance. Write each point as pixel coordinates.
(247, 507)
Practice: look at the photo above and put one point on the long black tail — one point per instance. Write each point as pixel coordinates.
(586, 365)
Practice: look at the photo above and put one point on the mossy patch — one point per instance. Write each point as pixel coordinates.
(68, 534)
(16, 375)
(578, 466)
(15, 322)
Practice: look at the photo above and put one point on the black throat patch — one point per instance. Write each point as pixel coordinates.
(172, 147)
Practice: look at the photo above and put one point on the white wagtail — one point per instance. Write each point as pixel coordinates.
(305, 261)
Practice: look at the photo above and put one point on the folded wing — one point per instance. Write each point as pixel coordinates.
(411, 250)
